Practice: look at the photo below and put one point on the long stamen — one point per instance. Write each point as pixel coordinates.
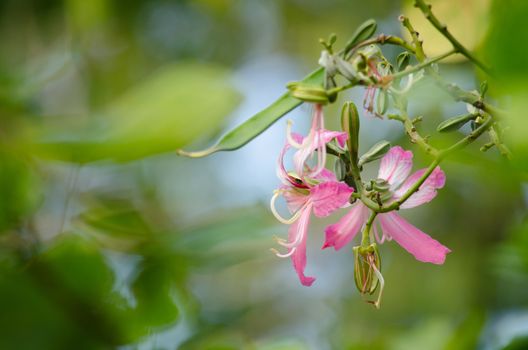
(378, 274)
(321, 160)
(287, 244)
(289, 135)
(276, 213)
(285, 255)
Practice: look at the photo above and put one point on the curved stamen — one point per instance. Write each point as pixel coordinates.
(289, 136)
(285, 255)
(408, 85)
(381, 280)
(287, 244)
(278, 216)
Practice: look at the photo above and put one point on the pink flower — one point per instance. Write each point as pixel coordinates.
(321, 194)
(316, 140)
(394, 169)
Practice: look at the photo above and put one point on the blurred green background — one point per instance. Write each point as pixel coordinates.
(109, 240)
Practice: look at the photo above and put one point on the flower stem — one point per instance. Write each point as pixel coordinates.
(438, 158)
(365, 236)
(422, 65)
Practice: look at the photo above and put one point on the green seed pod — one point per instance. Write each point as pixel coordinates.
(365, 259)
(375, 152)
(350, 124)
(455, 123)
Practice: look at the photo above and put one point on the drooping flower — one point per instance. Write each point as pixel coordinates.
(394, 169)
(321, 194)
(316, 140)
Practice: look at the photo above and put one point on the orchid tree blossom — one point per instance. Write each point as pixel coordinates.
(316, 141)
(395, 169)
(321, 194)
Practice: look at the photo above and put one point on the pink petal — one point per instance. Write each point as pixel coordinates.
(427, 190)
(301, 156)
(326, 136)
(325, 175)
(327, 197)
(297, 137)
(395, 166)
(294, 198)
(342, 232)
(300, 227)
(423, 247)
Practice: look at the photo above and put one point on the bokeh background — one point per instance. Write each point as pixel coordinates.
(109, 240)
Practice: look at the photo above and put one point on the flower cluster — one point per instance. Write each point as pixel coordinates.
(311, 188)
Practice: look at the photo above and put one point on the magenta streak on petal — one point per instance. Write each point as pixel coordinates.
(427, 190)
(342, 232)
(420, 245)
(327, 197)
(395, 166)
(300, 227)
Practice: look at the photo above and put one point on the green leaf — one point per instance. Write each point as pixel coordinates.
(257, 124)
(152, 291)
(166, 111)
(455, 123)
(364, 31)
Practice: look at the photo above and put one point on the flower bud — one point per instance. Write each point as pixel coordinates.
(350, 124)
(363, 32)
(382, 102)
(455, 123)
(402, 61)
(346, 69)
(366, 268)
(375, 152)
(308, 93)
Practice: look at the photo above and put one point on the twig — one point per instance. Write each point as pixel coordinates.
(426, 10)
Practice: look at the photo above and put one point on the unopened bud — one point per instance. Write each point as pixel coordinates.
(366, 268)
(308, 93)
(350, 124)
(375, 152)
(455, 123)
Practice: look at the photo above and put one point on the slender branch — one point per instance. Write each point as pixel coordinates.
(495, 138)
(422, 65)
(418, 48)
(381, 39)
(426, 10)
(438, 158)
(410, 128)
(456, 92)
(472, 136)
